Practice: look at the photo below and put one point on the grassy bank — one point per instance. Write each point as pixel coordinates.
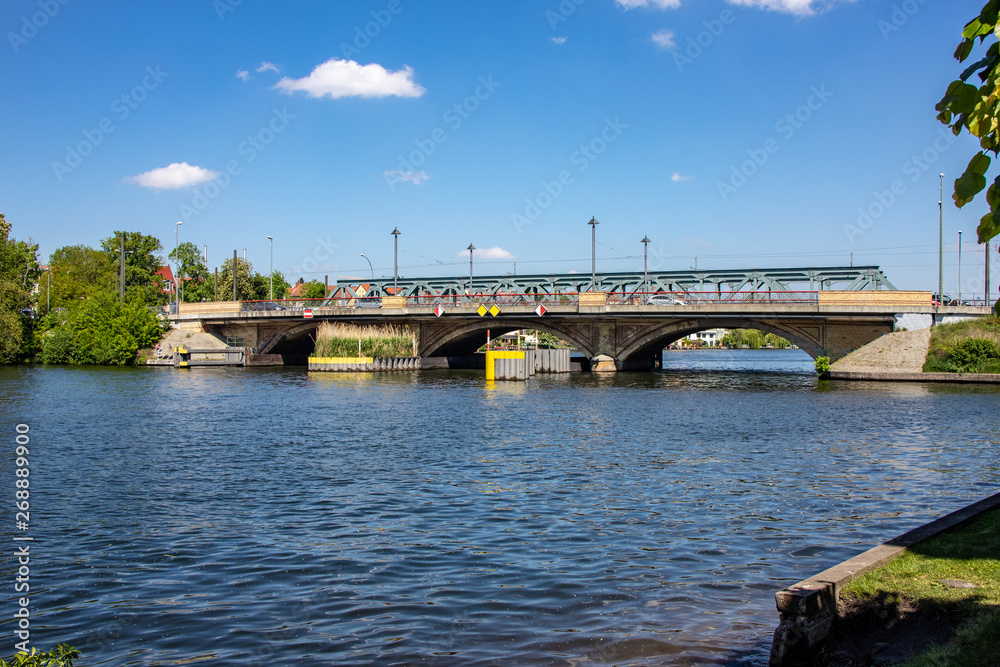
(922, 597)
(965, 347)
(341, 340)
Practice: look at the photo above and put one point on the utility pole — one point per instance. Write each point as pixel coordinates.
(48, 284)
(941, 243)
(593, 252)
(234, 274)
(960, 267)
(471, 249)
(645, 272)
(395, 260)
(216, 283)
(271, 297)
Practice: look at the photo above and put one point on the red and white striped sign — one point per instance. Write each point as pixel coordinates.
(307, 313)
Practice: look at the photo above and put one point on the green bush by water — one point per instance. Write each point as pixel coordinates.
(61, 656)
(972, 346)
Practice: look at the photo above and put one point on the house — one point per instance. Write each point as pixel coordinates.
(166, 279)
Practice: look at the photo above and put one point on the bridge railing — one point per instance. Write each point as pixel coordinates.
(660, 298)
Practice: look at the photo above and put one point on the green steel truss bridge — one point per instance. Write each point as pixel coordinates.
(719, 285)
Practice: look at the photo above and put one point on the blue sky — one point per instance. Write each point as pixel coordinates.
(748, 133)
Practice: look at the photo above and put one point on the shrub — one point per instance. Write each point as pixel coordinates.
(61, 656)
(822, 366)
(973, 353)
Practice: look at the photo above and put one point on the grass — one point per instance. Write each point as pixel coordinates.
(341, 340)
(949, 349)
(970, 554)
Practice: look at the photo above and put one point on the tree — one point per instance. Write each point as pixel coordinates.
(99, 330)
(77, 272)
(977, 109)
(141, 264)
(19, 273)
(262, 286)
(244, 276)
(192, 273)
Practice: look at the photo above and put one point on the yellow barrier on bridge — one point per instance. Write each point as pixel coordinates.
(593, 298)
(394, 302)
(875, 298)
(211, 307)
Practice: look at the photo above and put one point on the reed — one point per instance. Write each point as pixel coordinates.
(341, 340)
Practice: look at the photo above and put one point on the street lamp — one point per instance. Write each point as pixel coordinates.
(177, 262)
(645, 273)
(941, 243)
(271, 289)
(593, 252)
(369, 266)
(471, 249)
(395, 256)
(960, 267)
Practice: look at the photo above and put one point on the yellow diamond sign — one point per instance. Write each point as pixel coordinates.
(494, 311)
(482, 310)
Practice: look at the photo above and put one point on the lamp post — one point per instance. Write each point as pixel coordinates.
(177, 262)
(471, 249)
(271, 288)
(960, 267)
(593, 252)
(370, 267)
(645, 273)
(941, 243)
(395, 262)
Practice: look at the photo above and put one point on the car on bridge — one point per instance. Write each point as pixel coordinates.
(665, 300)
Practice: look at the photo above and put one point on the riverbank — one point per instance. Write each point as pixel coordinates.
(901, 356)
(899, 599)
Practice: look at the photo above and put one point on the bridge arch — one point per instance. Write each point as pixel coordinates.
(654, 339)
(449, 340)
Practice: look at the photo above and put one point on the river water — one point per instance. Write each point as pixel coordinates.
(276, 516)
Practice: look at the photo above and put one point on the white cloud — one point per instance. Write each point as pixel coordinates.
(174, 177)
(496, 253)
(558, 41)
(660, 4)
(664, 39)
(345, 78)
(678, 178)
(415, 177)
(243, 75)
(267, 67)
(800, 7)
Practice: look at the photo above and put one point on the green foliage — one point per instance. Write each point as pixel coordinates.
(549, 341)
(977, 109)
(244, 277)
(262, 286)
(753, 339)
(99, 331)
(77, 272)
(61, 656)
(192, 274)
(972, 346)
(822, 366)
(341, 340)
(19, 271)
(141, 256)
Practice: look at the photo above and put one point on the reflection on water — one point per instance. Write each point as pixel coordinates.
(266, 516)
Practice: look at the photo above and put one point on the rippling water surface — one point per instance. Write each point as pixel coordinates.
(275, 516)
